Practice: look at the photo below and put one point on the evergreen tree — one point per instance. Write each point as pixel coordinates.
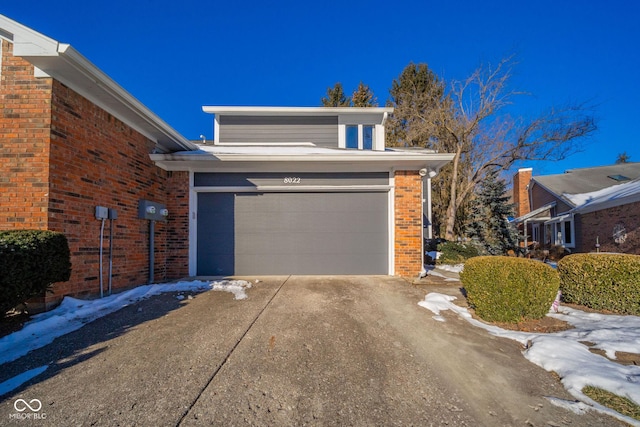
(623, 158)
(491, 210)
(336, 97)
(363, 97)
(416, 96)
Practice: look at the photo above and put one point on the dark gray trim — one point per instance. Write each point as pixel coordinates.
(289, 179)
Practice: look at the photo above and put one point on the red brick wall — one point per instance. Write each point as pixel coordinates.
(61, 156)
(521, 191)
(408, 223)
(24, 144)
(98, 160)
(601, 224)
(178, 230)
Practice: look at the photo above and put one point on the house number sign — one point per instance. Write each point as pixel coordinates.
(292, 180)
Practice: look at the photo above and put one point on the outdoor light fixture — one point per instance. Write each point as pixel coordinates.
(427, 172)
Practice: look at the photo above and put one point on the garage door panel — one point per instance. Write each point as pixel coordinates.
(300, 233)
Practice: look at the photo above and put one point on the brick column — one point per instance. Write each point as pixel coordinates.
(408, 223)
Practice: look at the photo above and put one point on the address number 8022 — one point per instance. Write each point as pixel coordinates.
(292, 180)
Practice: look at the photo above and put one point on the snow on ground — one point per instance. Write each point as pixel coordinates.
(18, 380)
(457, 268)
(564, 352)
(438, 274)
(72, 314)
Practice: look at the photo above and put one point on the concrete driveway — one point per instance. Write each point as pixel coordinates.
(298, 351)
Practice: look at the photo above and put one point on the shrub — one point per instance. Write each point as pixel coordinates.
(508, 289)
(30, 262)
(602, 281)
(453, 252)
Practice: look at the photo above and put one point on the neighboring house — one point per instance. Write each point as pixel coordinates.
(280, 191)
(584, 210)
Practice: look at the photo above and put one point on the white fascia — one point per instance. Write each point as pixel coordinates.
(295, 111)
(63, 63)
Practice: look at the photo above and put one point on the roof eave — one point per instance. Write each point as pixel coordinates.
(63, 63)
(182, 162)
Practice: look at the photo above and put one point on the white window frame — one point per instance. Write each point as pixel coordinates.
(559, 234)
(535, 232)
(342, 141)
(378, 143)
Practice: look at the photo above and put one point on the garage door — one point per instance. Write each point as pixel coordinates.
(292, 233)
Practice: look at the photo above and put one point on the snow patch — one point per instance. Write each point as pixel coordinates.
(72, 313)
(18, 380)
(566, 354)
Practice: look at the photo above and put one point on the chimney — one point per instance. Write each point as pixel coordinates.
(521, 191)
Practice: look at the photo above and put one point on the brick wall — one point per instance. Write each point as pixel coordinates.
(601, 224)
(24, 144)
(408, 223)
(178, 230)
(61, 157)
(98, 160)
(521, 191)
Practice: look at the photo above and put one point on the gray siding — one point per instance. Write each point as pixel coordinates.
(322, 130)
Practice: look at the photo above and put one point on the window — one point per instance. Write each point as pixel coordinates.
(535, 232)
(619, 178)
(359, 137)
(367, 137)
(547, 234)
(568, 238)
(563, 231)
(352, 137)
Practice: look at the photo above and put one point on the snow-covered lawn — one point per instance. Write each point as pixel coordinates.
(72, 314)
(564, 352)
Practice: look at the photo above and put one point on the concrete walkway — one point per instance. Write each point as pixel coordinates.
(298, 351)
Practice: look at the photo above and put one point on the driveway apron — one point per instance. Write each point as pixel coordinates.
(299, 351)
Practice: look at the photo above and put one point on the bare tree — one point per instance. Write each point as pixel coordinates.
(469, 121)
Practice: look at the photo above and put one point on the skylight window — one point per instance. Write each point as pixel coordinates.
(619, 178)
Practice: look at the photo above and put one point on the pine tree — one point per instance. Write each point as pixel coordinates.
(363, 97)
(336, 97)
(623, 158)
(491, 210)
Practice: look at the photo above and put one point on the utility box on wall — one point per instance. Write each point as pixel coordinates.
(152, 211)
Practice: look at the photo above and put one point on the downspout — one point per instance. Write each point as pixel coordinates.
(426, 175)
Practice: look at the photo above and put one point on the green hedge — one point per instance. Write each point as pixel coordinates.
(30, 262)
(508, 289)
(602, 281)
(454, 252)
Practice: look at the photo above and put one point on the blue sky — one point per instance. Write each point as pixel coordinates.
(177, 56)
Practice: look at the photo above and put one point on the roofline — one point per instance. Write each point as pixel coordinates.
(556, 195)
(204, 161)
(48, 55)
(295, 111)
(534, 212)
(609, 202)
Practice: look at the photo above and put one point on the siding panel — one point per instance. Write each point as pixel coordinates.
(322, 131)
